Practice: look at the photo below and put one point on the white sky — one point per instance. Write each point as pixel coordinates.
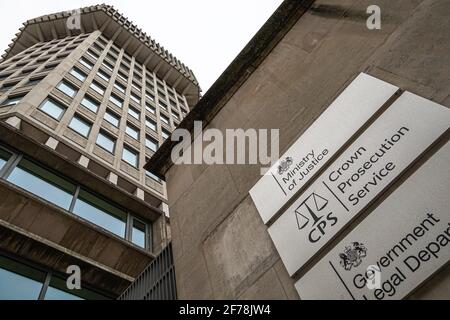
(206, 35)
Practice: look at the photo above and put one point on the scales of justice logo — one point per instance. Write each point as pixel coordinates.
(314, 212)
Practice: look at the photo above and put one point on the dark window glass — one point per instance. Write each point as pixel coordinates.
(151, 143)
(67, 89)
(19, 282)
(90, 103)
(4, 157)
(150, 123)
(43, 183)
(12, 101)
(116, 100)
(57, 290)
(81, 126)
(112, 118)
(134, 113)
(130, 156)
(77, 73)
(138, 234)
(132, 132)
(106, 142)
(52, 108)
(101, 213)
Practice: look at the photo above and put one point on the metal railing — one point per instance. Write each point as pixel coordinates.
(157, 282)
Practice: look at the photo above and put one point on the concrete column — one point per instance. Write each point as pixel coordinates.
(15, 122)
(83, 161)
(52, 143)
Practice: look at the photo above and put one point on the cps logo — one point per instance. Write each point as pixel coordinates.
(313, 213)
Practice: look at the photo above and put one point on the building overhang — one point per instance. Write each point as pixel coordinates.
(123, 32)
(107, 262)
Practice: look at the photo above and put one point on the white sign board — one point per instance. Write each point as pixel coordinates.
(404, 241)
(342, 119)
(398, 137)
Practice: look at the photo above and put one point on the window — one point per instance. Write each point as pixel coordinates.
(136, 86)
(67, 89)
(19, 282)
(164, 119)
(116, 100)
(4, 157)
(101, 213)
(123, 76)
(134, 113)
(52, 108)
(97, 88)
(33, 82)
(150, 96)
(80, 125)
(103, 75)
(119, 87)
(43, 183)
(165, 134)
(108, 65)
(132, 132)
(12, 101)
(77, 73)
(152, 176)
(8, 86)
(135, 98)
(112, 118)
(175, 115)
(130, 156)
(151, 143)
(163, 105)
(150, 124)
(150, 108)
(93, 54)
(90, 103)
(86, 63)
(138, 234)
(162, 95)
(106, 142)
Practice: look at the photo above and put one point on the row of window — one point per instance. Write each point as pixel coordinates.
(21, 281)
(104, 140)
(62, 192)
(137, 76)
(93, 105)
(126, 62)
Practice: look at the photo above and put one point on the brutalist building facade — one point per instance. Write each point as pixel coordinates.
(357, 205)
(86, 98)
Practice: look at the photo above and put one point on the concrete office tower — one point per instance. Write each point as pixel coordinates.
(86, 97)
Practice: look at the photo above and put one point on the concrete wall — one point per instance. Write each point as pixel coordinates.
(221, 246)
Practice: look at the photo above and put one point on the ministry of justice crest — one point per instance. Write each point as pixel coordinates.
(353, 255)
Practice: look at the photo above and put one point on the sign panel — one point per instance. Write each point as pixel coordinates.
(398, 247)
(363, 171)
(343, 118)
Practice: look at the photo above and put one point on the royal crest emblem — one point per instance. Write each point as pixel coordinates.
(285, 165)
(352, 256)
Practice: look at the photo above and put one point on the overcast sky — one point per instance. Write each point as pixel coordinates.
(206, 35)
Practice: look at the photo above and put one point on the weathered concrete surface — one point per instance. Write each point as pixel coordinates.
(221, 246)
